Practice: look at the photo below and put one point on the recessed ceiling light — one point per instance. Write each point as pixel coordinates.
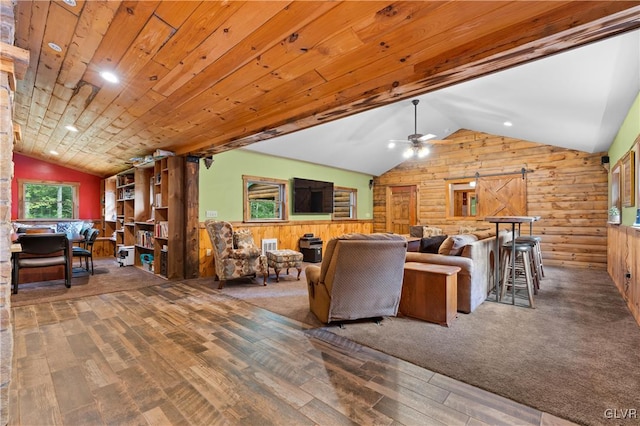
(52, 152)
(54, 46)
(508, 124)
(71, 3)
(109, 76)
(71, 128)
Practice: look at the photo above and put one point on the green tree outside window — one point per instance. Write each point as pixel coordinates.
(48, 201)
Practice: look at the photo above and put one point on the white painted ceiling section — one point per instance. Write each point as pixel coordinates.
(575, 100)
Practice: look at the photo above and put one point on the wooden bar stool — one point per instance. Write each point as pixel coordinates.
(536, 267)
(524, 278)
(537, 251)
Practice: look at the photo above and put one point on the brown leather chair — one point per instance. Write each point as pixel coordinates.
(360, 277)
(40, 251)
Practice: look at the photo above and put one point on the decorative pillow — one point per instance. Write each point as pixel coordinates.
(428, 231)
(431, 244)
(467, 230)
(18, 225)
(415, 231)
(73, 228)
(86, 225)
(454, 244)
(242, 239)
(485, 233)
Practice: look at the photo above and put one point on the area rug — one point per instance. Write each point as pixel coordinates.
(576, 355)
(108, 277)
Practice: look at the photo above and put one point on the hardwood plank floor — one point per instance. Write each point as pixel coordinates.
(176, 354)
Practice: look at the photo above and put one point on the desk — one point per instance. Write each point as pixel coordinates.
(512, 220)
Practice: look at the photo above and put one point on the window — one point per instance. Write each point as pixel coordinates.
(48, 200)
(344, 203)
(264, 199)
(461, 198)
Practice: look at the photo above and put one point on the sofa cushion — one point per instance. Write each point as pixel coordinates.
(454, 244)
(431, 244)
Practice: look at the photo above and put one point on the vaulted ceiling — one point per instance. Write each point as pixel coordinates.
(204, 77)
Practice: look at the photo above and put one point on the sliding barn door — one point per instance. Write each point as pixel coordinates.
(501, 196)
(402, 208)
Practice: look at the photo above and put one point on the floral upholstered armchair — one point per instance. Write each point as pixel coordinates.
(235, 253)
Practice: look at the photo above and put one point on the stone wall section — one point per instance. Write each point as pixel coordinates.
(7, 26)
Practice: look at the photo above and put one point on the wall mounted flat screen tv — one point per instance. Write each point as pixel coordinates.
(312, 196)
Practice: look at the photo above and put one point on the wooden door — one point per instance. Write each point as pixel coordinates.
(402, 208)
(501, 196)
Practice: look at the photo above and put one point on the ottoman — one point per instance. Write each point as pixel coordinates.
(279, 259)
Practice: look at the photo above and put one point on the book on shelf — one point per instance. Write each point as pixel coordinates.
(145, 239)
(162, 229)
(158, 200)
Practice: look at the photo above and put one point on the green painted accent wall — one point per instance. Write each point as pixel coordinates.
(622, 143)
(221, 185)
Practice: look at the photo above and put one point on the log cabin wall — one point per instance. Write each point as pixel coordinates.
(623, 265)
(567, 188)
(287, 234)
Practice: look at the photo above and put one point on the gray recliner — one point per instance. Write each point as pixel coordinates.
(360, 277)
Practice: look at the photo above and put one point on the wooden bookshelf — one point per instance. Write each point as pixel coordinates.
(168, 196)
(149, 214)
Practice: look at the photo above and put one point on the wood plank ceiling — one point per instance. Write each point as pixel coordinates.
(203, 77)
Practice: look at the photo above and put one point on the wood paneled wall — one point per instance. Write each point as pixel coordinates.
(287, 234)
(567, 188)
(623, 265)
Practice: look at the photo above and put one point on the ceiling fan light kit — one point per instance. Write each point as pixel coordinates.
(417, 146)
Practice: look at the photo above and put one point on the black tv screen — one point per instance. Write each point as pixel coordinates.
(312, 196)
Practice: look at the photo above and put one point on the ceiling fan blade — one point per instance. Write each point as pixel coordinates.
(437, 141)
(400, 140)
(426, 137)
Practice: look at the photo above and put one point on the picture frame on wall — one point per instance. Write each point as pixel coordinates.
(628, 178)
(637, 150)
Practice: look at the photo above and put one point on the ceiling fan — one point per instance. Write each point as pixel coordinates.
(418, 144)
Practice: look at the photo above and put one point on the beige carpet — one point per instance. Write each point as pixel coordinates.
(108, 277)
(575, 356)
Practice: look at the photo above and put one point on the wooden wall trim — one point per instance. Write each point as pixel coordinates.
(287, 234)
(623, 266)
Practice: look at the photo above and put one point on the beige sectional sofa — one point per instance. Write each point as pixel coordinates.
(476, 262)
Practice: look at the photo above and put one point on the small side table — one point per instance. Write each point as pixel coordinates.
(279, 259)
(430, 292)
